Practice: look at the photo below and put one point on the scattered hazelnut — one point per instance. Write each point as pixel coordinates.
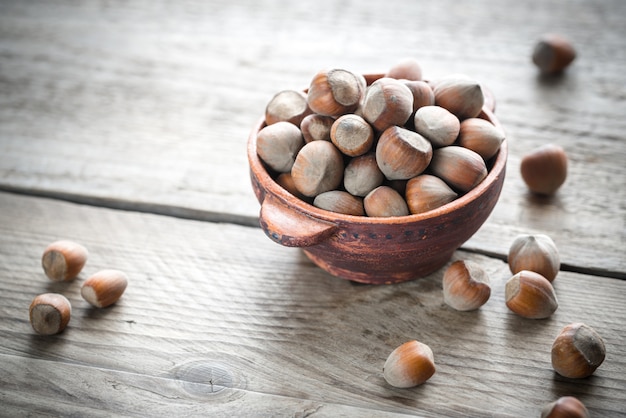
(437, 125)
(460, 167)
(335, 92)
(50, 313)
(340, 202)
(536, 253)
(553, 53)
(352, 135)
(288, 106)
(565, 407)
(465, 286)
(318, 168)
(577, 351)
(402, 154)
(481, 136)
(530, 295)
(387, 102)
(427, 192)
(544, 170)
(384, 201)
(409, 365)
(104, 287)
(278, 145)
(63, 260)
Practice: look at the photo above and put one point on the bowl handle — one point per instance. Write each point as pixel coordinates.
(291, 228)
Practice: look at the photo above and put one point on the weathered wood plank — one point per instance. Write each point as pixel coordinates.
(222, 301)
(149, 105)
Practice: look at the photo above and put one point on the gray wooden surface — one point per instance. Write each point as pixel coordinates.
(123, 125)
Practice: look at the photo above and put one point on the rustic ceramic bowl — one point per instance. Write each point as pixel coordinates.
(375, 250)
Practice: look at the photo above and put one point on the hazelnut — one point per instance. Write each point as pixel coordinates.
(402, 154)
(278, 145)
(335, 92)
(577, 351)
(387, 102)
(362, 175)
(288, 106)
(437, 125)
(553, 53)
(340, 202)
(426, 192)
(536, 253)
(459, 94)
(285, 181)
(406, 69)
(544, 170)
(481, 136)
(50, 313)
(316, 127)
(409, 365)
(104, 287)
(318, 168)
(423, 94)
(460, 167)
(63, 260)
(465, 286)
(530, 295)
(384, 201)
(352, 135)
(565, 407)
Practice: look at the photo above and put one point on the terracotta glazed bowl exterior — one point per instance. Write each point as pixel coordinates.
(375, 250)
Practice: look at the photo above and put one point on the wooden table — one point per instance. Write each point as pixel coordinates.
(123, 126)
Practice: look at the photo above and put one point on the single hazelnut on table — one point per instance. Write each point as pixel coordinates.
(553, 53)
(481, 136)
(384, 201)
(409, 365)
(278, 145)
(427, 192)
(536, 253)
(577, 351)
(544, 169)
(316, 127)
(340, 202)
(437, 125)
(461, 95)
(565, 407)
(352, 135)
(335, 92)
(460, 167)
(530, 295)
(465, 286)
(288, 106)
(402, 154)
(318, 168)
(50, 313)
(63, 260)
(406, 69)
(362, 175)
(387, 102)
(104, 288)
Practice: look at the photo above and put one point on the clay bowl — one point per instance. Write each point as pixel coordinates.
(375, 250)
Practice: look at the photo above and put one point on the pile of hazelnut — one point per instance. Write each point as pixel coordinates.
(398, 146)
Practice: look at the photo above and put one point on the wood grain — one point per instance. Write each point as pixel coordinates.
(222, 305)
(148, 105)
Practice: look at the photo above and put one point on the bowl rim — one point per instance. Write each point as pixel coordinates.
(259, 169)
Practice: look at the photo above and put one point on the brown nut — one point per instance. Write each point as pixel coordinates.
(437, 125)
(335, 92)
(318, 168)
(536, 253)
(104, 288)
(530, 295)
(387, 102)
(544, 169)
(423, 94)
(63, 260)
(362, 175)
(278, 145)
(577, 351)
(461, 95)
(402, 154)
(285, 181)
(287, 106)
(465, 286)
(340, 202)
(352, 135)
(553, 53)
(481, 136)
(50, 313)
(426, 192)
(406, 69)
(316, 127)
(409, 365)
(460, 167)
(565, 407)
(384, 201)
